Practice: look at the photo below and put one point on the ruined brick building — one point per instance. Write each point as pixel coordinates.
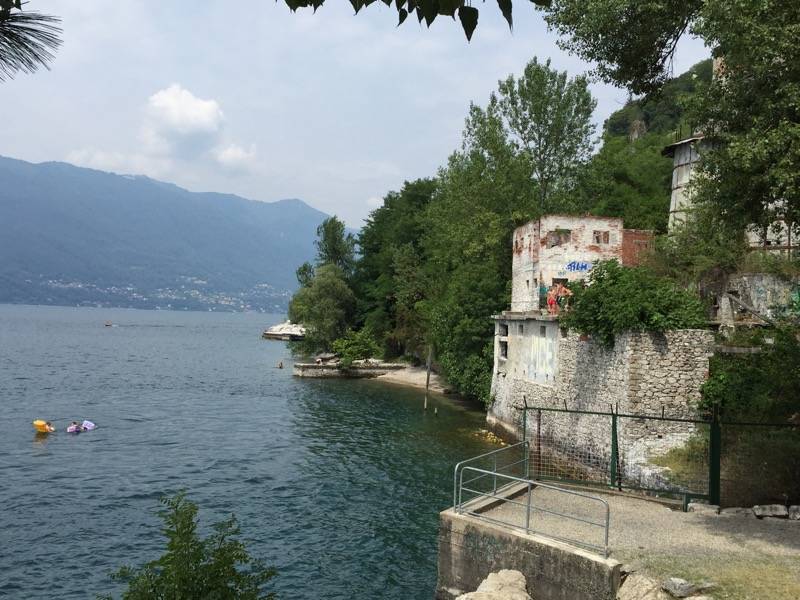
(562, 248)
(536, 360)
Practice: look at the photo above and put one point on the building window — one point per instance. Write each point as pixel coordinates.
(542, 331)
(521, 329)
(503, 349)
(600, 237)
(503, 329)
(559, 237)
(528, 284)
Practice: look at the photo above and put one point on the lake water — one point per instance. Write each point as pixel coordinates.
(336, 483)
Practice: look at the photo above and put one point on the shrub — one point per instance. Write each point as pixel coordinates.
(356, 345)
(619, 299)
(215, 567)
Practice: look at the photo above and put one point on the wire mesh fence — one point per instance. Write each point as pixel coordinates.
(760, 464)
(614, 450)
(725, 462)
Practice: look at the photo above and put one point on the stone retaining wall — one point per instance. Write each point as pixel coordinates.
(642, 373)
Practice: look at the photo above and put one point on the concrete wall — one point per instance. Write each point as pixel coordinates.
(572, 260)
(766, 293)
(333, 371)
(641, 374)
(685, 157)
(470, 549)
(524, 270)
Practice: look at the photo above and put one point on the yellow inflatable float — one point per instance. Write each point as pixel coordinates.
(43, 426)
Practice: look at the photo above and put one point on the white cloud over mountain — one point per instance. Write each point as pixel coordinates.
(178, 110)
(177, 126)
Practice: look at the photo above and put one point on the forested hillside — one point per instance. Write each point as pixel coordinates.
(70, 235)
(435, 259)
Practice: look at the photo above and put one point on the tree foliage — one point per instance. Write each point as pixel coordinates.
(326, 307)
(631, 42)
(217, 566)
(700, 251)
(427, 10)
(27, 39)
(750, 115)
(763, 386)
(630, 177)
(547, 120)
(389, 278)
(334, 245)
(619, 299)
(356, 345)
(435, 258)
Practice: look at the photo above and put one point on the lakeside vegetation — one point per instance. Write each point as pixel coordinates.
(434, 260)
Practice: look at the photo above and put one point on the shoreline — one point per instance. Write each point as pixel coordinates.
(414, 377)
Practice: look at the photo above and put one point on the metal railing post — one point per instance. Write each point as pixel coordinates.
(714, 458)
(528, 512)
(614, 451)
(526, 448)
(494, 477)
(537, 466)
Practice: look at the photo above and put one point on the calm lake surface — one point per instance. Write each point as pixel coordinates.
(336, 483)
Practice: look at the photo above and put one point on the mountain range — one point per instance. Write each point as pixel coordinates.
(77, 236)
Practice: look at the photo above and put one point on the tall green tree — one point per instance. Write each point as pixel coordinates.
(493, 184)
(750, 115)
(326, 307)
(335, 246)
(389, 277)
(28, 40)
(547, 119)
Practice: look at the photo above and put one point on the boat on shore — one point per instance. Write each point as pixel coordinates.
(287, 332)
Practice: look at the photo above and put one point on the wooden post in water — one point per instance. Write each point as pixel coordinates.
(428, 375)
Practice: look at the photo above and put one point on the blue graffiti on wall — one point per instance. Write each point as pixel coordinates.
(578, 265)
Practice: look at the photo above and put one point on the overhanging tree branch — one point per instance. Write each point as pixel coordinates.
(28, 40)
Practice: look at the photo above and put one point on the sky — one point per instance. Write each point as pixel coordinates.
(249, 98)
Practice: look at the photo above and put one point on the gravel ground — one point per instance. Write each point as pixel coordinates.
(643, 525)
(745, 555)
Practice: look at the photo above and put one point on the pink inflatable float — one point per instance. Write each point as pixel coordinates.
(79, 427)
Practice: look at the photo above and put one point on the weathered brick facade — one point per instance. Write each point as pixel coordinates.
(563, 248)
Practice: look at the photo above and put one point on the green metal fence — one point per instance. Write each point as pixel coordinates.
(598, 448)
(723, 462)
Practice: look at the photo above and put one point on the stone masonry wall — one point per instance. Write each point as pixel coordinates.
(641, 374)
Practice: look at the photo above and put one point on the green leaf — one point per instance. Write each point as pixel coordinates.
(505, 8)
(449, 7)
(468, 16)
(430, 9)
(403, 16)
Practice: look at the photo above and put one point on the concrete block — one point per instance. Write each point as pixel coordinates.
(794, 513)
(737, 511)
(470, 549)
(707, 509)
(770, 510)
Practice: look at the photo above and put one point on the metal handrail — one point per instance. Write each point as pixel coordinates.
(494, 453)
(458, 506)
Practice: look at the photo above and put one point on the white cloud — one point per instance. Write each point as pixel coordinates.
(177, 109)
(374, 202)
(235, 157)
(178, 131)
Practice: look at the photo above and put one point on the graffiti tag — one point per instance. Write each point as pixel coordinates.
(578, 265)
